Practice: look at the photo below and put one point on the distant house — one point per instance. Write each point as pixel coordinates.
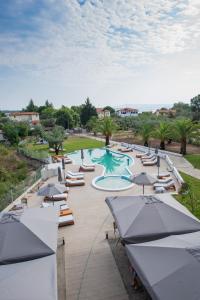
(30, 117)
(165, 112)
(102, 113)
(127, 112)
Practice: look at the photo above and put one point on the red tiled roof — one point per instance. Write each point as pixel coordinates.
(24, 113)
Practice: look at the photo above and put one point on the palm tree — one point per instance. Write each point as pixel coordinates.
(146, 131)
(163, 133)
(185, 129)
(107, 127)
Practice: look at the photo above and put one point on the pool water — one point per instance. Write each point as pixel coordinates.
(114, 163)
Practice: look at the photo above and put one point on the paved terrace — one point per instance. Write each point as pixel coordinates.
(91, 271)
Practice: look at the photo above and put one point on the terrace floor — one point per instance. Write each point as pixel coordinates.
(91, 270)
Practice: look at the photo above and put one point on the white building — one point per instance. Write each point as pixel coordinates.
(102, 113)
(30, 117)
(127, 112)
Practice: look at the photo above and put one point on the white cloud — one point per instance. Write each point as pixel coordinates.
(107, 42)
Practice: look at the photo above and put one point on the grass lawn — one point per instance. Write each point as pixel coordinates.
(194, 159)
(71, 144)
(192, 199)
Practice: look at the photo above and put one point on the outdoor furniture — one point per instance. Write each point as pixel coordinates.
(75, 173)
(76, 182)
(52, 189)
(159, 190)
(125, 149)
(150, 163)
(66, 212)
(151, 156)
(143, 179)
(145, 218)
(169, 268)
(88, 165)
(166, 180)
(163, 175)
(60, 205)
(139, 155)
(66, 220)
(68, 175)
(56, 197)
(167, 186)
(84, 168)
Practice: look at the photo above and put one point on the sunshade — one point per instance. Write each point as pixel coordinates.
(143, 179)
(35, 278)
(20, 241)
(170, 267)
(51, 189)
(146, 218)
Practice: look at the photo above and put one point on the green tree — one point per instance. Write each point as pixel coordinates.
(93, 124)
(10, 132)
(55, 138)
(31, 107)
(64, 117)
(22, 129)
(195, 106)
(111, 109)
(163, 132)
(145, 132)
(87, 111)
(107, 127)
(38, 131)
(182, 109)
(185, 129)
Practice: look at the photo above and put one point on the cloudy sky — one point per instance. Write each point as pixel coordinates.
(114, 51)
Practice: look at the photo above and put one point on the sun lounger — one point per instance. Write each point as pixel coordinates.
(163, 175)
(66, 220)
(56, 197)
(75, 173)
(150, 163)
(66, 212)
(152, 156)
(166, 180)
(125, 149)
(139, 155)
(88, 165)
(167, 186)
(68, 175)
(84, 168)
(75, 182)
(61, 205)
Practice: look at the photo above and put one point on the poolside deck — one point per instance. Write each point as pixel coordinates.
(91, 271)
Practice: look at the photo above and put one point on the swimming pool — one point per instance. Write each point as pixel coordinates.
(116, 172)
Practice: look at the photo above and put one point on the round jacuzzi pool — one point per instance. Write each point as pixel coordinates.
(112, 183)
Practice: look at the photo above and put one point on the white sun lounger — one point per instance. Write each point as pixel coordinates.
(167, 186)
(150, 163)
(76, 182)
(61, 205)
(66, 220)
(57, 197)
(168, 179)
(87, 168)
(75, 173)
(68, 175)
(152, 156)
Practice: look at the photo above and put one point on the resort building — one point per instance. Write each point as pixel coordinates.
(127, 112)
(30, 117)
(165, 112)
(102, 113)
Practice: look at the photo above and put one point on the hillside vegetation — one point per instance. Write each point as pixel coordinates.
(13, 169)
